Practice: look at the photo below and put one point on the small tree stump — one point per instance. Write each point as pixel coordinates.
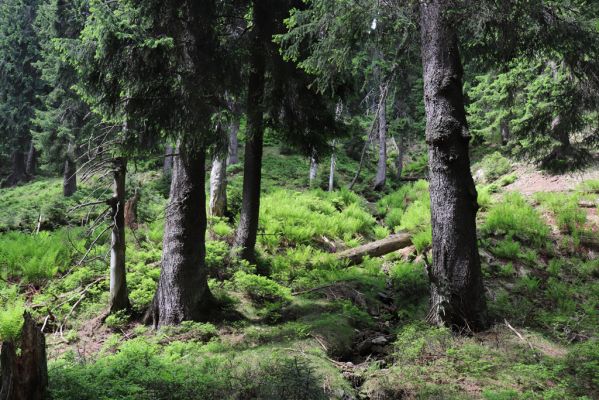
(25, 373)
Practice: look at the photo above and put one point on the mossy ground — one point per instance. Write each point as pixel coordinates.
(315, 327)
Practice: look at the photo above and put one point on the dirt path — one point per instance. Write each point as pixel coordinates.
(531, 181)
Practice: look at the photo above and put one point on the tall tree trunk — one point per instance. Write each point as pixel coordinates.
(457, 294)
(218, 186)
(24, 374)
(332, 168)
(19, 170)
(247, 230)
(504, 129)
(313, 170)
(381, 170)
(69, 181)
(400, 154)
(31, 163)
(167, 166)
(119, 299)
(233, 156)
(183, 292)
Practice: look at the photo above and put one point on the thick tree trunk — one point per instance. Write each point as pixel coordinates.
(218, 187)
(183, 292)
(31, 163)
(24, 367)
(167, 167)
(313, 170)
(457, 294)
(19, 170)
(233, 156)
(247, 230)
(69, 181)
(381, 170)
(119, 300)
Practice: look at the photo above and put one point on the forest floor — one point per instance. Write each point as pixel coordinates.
(317, 328)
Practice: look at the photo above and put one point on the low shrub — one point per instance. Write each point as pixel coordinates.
(260, 289)
(495, 165)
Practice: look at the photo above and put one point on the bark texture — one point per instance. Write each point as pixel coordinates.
(457, 294)
(376, 249)
(218, 187)
(131, 210)
(24, 373)
(119, 300)
(183, 292)
(247, 230)
(19, 170)
(381, 170)
(69, 180)
(233, 156)
(31, 162)
(167, 166)
(332, 169)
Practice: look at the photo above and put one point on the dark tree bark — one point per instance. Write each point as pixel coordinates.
(183, 292)
(504, 128)
(69, 181)
(24, 372)
(247, 230)
(381, 170)
(19, 170)
(457, 294)
(233, 156)
(119, 300)
(218, 186)
(31, 163)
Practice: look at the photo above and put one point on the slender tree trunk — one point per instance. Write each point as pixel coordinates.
(69, 181)
(457, 294)
(233, 156)
(381, 171)
(31, 164)
(400, 154)
(332, 168)
(313, 170)
(218, 186)
(183, 292)
(247, 230)
(504, 128)
(24, 374)
(131, 210)
(119, 299)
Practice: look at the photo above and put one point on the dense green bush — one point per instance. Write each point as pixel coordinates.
(11, 314)
(495, 165)
(261, 289)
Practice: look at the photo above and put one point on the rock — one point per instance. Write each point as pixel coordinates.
(380, 340)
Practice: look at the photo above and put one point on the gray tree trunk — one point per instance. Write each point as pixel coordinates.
(313, 170)
(247, 230)
(218, 186)
(457, 294)
(381, 170)
(167, 167)
(233, 156)
(332, 168)
(400, 154)
(183, 292)
(119, 300)
(31, 163)
(24, 373)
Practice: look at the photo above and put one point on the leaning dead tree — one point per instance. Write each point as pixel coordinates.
(107, 170)
(24, 371)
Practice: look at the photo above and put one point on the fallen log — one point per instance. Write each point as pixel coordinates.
(24, 370)
(376, 249)
(588, 204)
